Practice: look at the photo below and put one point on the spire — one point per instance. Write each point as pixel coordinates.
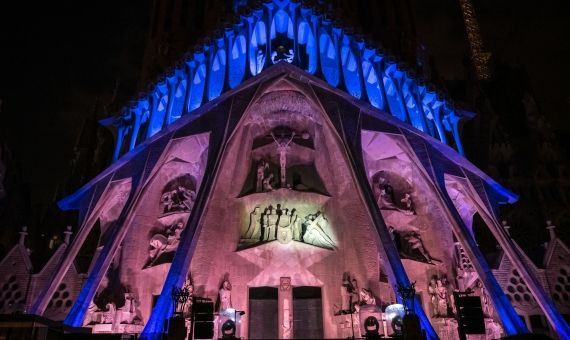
(67, 234)
(23, 235)
(479, 57)
(550, 227)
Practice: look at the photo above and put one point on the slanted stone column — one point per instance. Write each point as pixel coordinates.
(557, 322)
(285, 306)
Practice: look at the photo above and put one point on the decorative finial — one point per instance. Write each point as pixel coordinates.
(23, 235)
(550, 227)
(506, 227)
(67, 234)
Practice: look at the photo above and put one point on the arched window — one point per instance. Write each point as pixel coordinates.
(217, 74)
(393, 97)
(237, 61)
(257, 48)
(329, 60)
(414, 112)
(372, 84)
(197, 88)
(157, 118)
(350, 71)
(307, 46)
(178, 102)
(282, 38)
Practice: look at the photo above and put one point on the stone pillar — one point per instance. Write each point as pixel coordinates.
(285, 308)
(454, 119)
(137, 113)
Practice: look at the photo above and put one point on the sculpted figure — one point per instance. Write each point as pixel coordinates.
(415, 243)
(385, 194)
(408, 205)
(432, 290)
(160, 244)
(93, 314)
(225, 296)
(442, 298)
(109, 314)
(179, 199)
(282, 147)
(485, 299)
(367, 297)
(345, 295)
(315, 233)
(262, 167)
(267, 183)
(284, 232)
(254, 230)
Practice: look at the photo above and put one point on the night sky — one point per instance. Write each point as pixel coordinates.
(57, 58)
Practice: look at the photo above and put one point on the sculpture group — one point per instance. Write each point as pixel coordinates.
(386, 198)
(180, 199)
(285, 225)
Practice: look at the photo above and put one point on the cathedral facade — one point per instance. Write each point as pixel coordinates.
(294, 177)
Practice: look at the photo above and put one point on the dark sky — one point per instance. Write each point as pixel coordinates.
(57, 57)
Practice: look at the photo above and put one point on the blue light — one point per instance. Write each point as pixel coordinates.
(157, 117)
(217, 74)
(178, 102)
(416, 116)
(329, 60)
(237, 61)
(257, 48)
(350, 71)
(307, 47)
(394, 101)
(197, 88)
(372, 85)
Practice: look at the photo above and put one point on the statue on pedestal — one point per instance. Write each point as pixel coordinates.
(225, 296)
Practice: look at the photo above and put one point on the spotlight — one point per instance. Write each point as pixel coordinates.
(395, 317)
(371, 327)
(229, 330)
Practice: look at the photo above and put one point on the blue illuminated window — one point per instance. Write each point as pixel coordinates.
(217, 74)
(372, 84)
(307, 47)
(257, 48)
(178, 102)
(350, 72)
(393, 97)
(237, 61)
(329, 60)
(197, 88)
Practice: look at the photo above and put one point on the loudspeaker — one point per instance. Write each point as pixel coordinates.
(471, 318)
(203, 330)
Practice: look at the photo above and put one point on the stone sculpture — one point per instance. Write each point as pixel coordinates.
(284, 225)
(410, 245)
(267, 183)
(180, 199)
(386, 198)
(385, 194)
(165, 243)
(440, 297)
(225, 296)
(283, 142)
(367, 297)
(262, 168)
(315, 234)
